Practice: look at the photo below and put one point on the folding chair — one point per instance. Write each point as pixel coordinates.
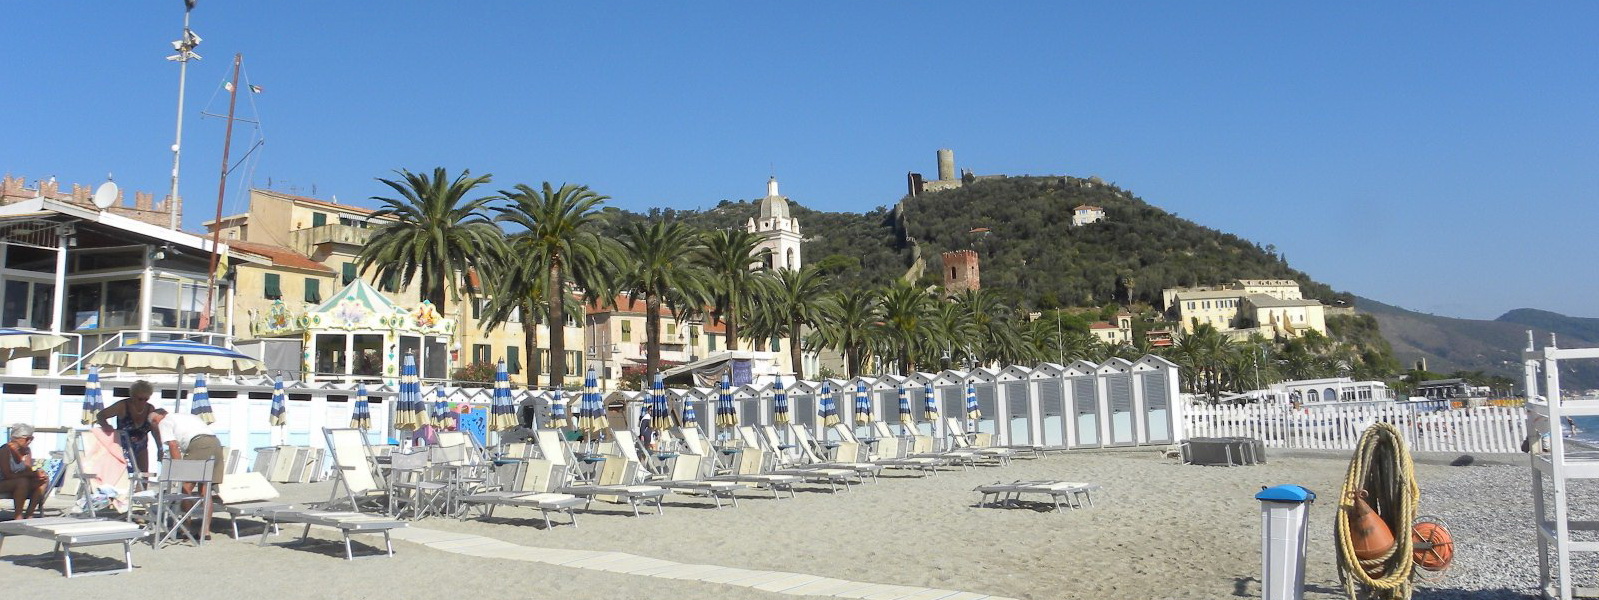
(170, 507)
(412, 488)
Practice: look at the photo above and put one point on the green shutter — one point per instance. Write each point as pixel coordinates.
(513, 361)
(272, 291)
(349, 273)
(319, 219)
(313, 291)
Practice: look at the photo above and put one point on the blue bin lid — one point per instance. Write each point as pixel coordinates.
(1286, 493)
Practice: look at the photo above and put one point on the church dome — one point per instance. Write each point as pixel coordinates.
(773, 206)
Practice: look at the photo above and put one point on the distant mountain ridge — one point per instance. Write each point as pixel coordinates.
(1450, 344)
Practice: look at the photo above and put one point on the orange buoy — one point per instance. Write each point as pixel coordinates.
(1434, 547)
(1370, 535)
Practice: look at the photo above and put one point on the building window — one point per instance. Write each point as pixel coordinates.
(319, 219)
(710, 343)
(348, 273)
(775, 346)
(513, 360)
(477, 309)
(272, 290)
(313, 290)
(539, 359)
(574, 362)
(482, 353)
(627, 331)
(671, 329)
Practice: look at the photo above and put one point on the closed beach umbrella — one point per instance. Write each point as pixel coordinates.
(440, 410)
(202, 401)
(726, 411)
(93, 401)
(690, 418)
(408, 411)
(930, 403)
(591, 412)
(280, 403)
(827, 408)
(863, 404)
(176, 356)
(660, 411)
(361, 417)
(905, 407)
(779, 403)
(558, 403)
(973, 411)
(502, 413)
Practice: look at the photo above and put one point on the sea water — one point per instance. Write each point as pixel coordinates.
(1587, 428)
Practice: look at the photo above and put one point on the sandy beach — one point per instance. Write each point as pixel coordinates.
(1160, 530)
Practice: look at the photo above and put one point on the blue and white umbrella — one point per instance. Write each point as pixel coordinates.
(863, 404)
(14, 339)
(779, 403)
(930, 403)
(973, 411)
(502, 413)
(591, 412)
(201, 401)
(726, 411)
(408, 410)
(361, 417)
(558, 406)
(690, 418)
(93, 400)
(440, 410)
(660, 411)
(280, 404)
(176, 356)
(827, 408)
(905, 407)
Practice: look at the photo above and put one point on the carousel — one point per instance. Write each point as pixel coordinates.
(359, 334)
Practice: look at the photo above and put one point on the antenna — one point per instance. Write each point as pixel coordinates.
(106, 194)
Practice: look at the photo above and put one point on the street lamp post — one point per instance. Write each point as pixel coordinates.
(185, 47)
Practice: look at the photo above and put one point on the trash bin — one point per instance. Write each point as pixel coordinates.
(1284, 520)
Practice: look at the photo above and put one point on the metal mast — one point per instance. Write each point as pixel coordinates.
(222, 190)
(185, 47)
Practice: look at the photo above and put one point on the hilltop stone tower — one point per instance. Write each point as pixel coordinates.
(961, 271)
(779, 231)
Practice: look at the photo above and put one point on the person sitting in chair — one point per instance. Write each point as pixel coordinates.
(18, 477)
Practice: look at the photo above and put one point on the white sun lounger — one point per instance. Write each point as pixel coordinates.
(530, 488)
(687, 476)
(959, 441)
(247, 495)
(348, 523)
(847, 450)
(68, 533)
(1067, 493)
(830, 476)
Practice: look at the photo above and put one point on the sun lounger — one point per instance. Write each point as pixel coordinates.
(747, 468)
(348, 523)
(356, 472)
(846, 453)
(830, 476)
(960, 440)
(68, 533)
(1071, 493)
(616, 483)
(687, 476)
(528, 488)
(248, 495)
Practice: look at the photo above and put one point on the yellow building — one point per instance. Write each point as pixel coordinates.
(1270, 307)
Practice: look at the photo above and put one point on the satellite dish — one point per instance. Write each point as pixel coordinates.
(105, 195)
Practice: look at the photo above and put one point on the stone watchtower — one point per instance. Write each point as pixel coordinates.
(780, 232)
(961, 271)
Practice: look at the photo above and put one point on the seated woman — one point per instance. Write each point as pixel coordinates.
(18, 477)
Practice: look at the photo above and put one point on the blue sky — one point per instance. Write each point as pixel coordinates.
(1438, 156)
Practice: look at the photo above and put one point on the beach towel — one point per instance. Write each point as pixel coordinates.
(103, 457)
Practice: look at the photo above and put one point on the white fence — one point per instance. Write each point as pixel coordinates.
(1481, 430)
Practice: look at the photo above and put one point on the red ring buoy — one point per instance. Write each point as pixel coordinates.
(1434, 547)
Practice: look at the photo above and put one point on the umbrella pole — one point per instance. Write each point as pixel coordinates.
(177, 401)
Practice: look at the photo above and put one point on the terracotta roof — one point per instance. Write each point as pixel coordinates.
(307, 200)
(282, 257)
(1087, 207)
(1103, 326)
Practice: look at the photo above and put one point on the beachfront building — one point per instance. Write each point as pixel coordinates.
(616, 335)
(1272, 308)
(1321, 391)
(1116, 332)
(103, 280)
(312, 248)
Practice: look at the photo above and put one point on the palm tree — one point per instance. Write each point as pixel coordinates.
(561, 243)
(906, 320)
(850, 319)
(654, 270)
(436, 233)
(794, 301)
(516, 290)
(732, 257)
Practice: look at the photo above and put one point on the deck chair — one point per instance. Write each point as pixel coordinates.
(553, 448)
(1060, 493)
(779, 465)
(91, 465)
(618, 482)
(687, 475)
(960, 440)
(413, 488)
(170, 508)
(694, 442)
(848, 453)
(247, 495)
(528, 487)
(748, 468)
(921, 446)
(348, 523)
(356, 472)
(69, 533)
(890, 451)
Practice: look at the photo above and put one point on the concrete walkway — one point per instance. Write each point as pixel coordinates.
(797, 584)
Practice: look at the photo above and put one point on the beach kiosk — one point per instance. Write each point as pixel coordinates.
(1086, 406)
(915, 389)
(359, 333)
(1050, 387)
(1155, 386)
(1115, 377)
(804, 398)
(985, 381)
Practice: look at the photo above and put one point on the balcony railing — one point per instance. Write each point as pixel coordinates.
(306, 240)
